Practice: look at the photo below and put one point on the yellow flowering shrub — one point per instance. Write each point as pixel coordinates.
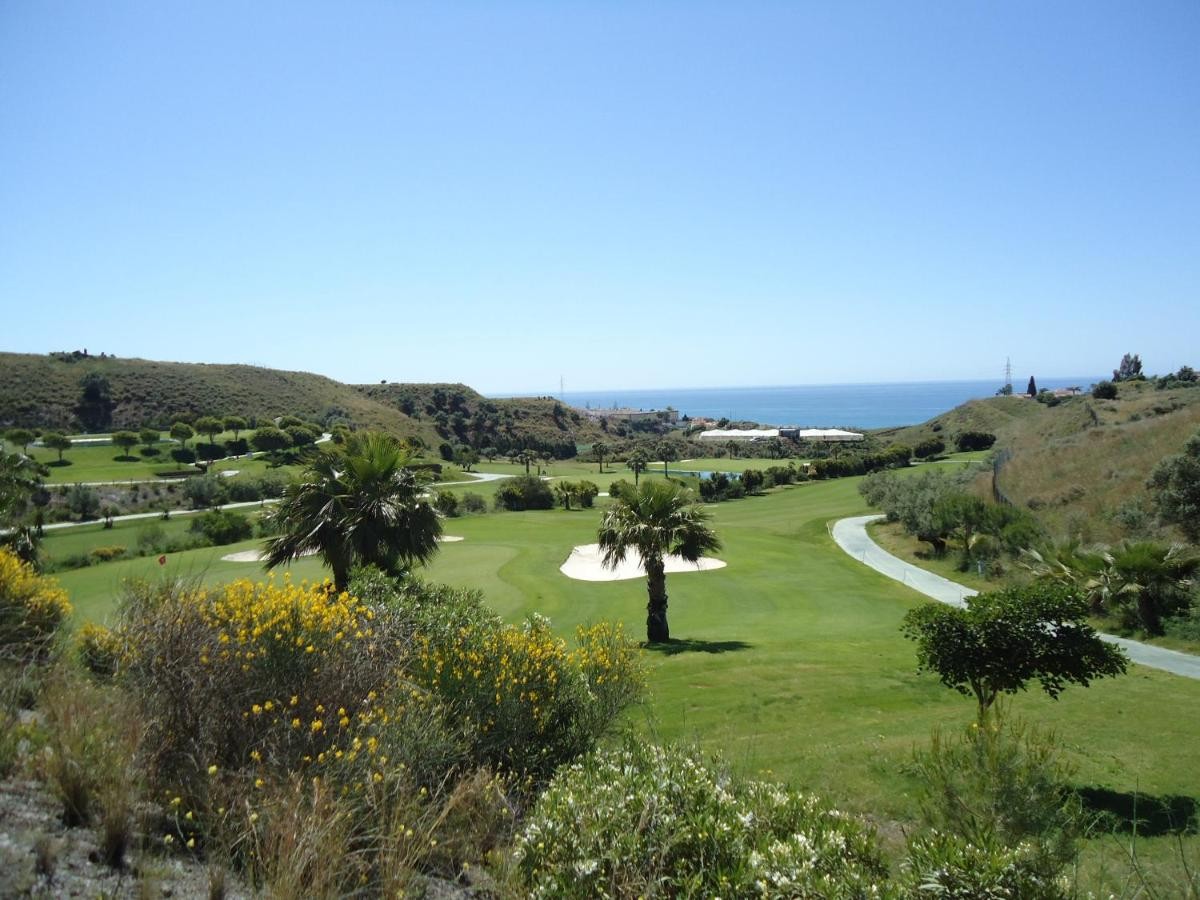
(252, 674)
(527, 703)
(99, 649)
(32, 609)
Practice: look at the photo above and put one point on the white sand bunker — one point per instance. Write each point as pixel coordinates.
(584, 564)
(255, 555)
(259, 555)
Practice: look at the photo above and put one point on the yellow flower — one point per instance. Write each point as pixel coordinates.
(212, 770)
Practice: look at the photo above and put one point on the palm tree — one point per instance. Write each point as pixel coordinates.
(1159, 578)
(637, 463)
(358, 505)
(599, 449)
(656, 519)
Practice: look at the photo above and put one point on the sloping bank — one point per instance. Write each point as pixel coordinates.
(851, 535)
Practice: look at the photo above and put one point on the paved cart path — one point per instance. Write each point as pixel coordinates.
(851, 535)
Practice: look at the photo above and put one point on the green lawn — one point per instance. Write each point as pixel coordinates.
(107, 463)
(789, 660)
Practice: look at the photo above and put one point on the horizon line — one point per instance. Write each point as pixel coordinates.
(750, 387)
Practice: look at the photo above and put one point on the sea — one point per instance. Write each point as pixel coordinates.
(814, 405)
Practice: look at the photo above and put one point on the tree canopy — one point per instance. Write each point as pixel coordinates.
(359, 505)
(1001, 641)
(1175, 486)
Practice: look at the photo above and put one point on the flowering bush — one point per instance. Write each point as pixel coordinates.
(527, 703)
(32, 609)
(943, 865)
(249, 672)
(652, 821)
(99, 649)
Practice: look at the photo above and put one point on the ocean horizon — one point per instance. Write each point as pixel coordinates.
(882, 405)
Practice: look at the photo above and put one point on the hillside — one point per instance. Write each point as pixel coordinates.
(98, 394)
(461, 415)
(53, 392)
(1081, 465)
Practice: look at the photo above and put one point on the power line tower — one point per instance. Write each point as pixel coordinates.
(1007, 375)
(560, 389)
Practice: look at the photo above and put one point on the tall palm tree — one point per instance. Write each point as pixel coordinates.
(360, 504)
(656, 519)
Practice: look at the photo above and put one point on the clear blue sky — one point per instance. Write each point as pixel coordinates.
(624, 194)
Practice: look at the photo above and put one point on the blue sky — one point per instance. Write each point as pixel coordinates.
(624, 194)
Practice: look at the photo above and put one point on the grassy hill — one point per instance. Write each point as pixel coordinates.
(99, 394)
(1081, 465)
(461, 415)
(48, 392)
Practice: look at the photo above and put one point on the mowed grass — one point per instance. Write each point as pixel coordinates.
(104, 462)
(789, 660)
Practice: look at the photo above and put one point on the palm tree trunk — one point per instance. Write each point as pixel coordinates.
(341, 576)
(1147, 605)
(656, 608)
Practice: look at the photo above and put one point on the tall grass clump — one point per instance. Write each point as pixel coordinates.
(91, 759)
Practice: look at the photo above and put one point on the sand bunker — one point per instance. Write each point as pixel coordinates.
(259, 555)
(584, 565)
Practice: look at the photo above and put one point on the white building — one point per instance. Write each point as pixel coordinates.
(750, 435)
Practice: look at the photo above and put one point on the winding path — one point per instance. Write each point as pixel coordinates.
(851, 535)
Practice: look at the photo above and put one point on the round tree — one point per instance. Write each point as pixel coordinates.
(998, 642)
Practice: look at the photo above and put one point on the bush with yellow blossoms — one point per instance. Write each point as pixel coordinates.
(250, 674)
(32, 610)
(529, 704)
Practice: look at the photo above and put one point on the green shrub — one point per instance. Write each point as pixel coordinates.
(204, 491)
(446, 503)
(243, 490)
(106, 554)
(929, 447)
(974, 440)
(1104, 390)
(221, 527)
(472, 503)
(91, 764)
(524, 492)
(620, 488)
(1003, 785)
(945, 865)
(652, 821)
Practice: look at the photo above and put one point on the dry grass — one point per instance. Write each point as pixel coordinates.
(1088, 483)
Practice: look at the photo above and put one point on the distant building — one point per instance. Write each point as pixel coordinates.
(632, 415)
(750, 435)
